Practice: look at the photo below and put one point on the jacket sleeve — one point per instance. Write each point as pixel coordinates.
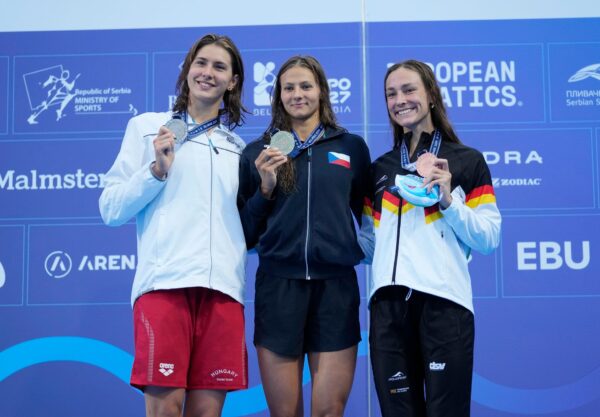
(360, 181)
(474, 216)
(129, 185)
(366, 233)
(253, 207)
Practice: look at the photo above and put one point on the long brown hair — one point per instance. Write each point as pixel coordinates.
(438, 111)
(280, 119)
(232, 100)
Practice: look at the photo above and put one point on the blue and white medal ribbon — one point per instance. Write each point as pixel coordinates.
(434, 148)
(199, 129)
(312, 138)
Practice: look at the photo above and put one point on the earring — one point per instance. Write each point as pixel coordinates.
(432, 105)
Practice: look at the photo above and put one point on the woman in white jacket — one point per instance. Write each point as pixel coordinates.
(421, 326)
(188, 288)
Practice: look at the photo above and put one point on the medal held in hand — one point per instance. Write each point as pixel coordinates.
(425, 164)
(283, 141)
(179, 129)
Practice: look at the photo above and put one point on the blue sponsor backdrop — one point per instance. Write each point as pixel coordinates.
(523, 92)
(4, 94)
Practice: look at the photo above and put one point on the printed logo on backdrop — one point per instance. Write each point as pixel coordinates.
(56, 179)
(34, 180)
(53, 89)
(77, 94)
(58, 264)
(479, 84)
(476, 84)
(527, 167)
(574, 81)
(264, 81)
(2, 275)
(80, 264)
(584, 97)
(514, 158)
(550, 255)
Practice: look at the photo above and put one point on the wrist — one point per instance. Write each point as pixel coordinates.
(266, 192)
(444, 204)
(156, 173)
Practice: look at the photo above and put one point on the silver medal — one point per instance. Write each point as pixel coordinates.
(284, 141)
(179, 129)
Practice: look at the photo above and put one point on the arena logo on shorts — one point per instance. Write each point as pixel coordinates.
(224, 375)
(397, 376)
(166, 368)
(435, 366)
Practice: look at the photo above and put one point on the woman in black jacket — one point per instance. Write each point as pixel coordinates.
(298, 210)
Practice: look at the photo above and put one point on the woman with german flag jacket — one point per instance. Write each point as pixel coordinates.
(421, 309)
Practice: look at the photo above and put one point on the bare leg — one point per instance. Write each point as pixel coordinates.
(204, 403)
(332, 374)
(282, 382)
(164, 402)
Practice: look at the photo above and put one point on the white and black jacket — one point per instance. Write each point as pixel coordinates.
(428, 249)
(189, 232)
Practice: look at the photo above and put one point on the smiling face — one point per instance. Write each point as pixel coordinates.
(408, 101)
(300, 94)
(210, 75)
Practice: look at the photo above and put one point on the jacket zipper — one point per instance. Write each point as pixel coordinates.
(210, 211)
(397, 241)
(309, 155)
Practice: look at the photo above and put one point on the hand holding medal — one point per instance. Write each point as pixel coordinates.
(437, 175)
(284, 141)
(425, 164)
(179, 129)
(272, 157)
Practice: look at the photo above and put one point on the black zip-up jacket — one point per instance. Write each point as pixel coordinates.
(308, 233)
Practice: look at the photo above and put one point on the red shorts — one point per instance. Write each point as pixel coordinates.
(190, 338)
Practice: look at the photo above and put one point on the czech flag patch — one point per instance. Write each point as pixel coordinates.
(340, 159)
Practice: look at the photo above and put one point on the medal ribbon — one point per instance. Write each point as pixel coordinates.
(199, 129)
(299, 146)
(434, 148)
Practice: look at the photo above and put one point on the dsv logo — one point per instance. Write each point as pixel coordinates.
(58, 264)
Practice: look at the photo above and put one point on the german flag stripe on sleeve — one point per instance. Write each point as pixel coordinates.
(390, 202)
(481, 195)
(406, 206)
(376, 218)
(432, 213)
(367, 207)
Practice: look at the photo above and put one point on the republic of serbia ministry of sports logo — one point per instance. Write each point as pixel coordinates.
(48, 89)
(55, 92)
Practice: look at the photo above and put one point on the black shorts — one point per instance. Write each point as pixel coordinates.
(421, 353)
(295, 316)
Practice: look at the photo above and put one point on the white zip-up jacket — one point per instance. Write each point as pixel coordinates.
(189, 233)
(428, 249)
